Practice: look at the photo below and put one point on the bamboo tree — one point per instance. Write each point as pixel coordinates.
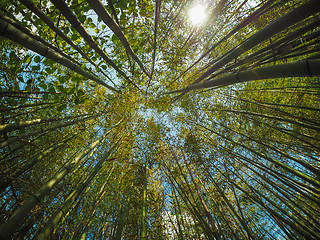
(144, 222)
(45, 232)
(63, 8)
(36, 37)
(297, 173)
(178, 210)
(191, 206)
(298, 187)
(35, 132)
(280, 119)
(28, 165)
(298, 14)
(289, 196)
(32, 7)
(102, 12)
(241, 25)
(301, 162)
(227, 174)
(17, 218)
(305, 68)
(123, 215)
(237, 162)
(209, 216)
(294, 136)
(156, 21)
(102, 192)
(299, 230)
(274, 50)
(22, 124)
(269, 106)
(9, 31)
(25, 106)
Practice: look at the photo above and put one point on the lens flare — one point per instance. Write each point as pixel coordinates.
(197, 14)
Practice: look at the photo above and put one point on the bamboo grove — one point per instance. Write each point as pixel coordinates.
(124, 120)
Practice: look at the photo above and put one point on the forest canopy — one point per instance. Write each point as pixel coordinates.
(162, 119)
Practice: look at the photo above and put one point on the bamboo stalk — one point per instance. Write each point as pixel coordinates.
(22, 124)
(22, 167)
(282, 119)
(25, 106)
(303, 68)
(12, 33)
(241, 25)
(40, 130)
(73, 196)
(295, 172)
(36, 37)
(64, 9)
(33, 8)
(296, 15)
(15, 221)
(102, 12)
(209, 216)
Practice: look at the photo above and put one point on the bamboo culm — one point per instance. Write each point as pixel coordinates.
(46, 231)
(64, 9)
(18, 216)
(303, 68)
(298, 14)
(14, 34)
(102, 12)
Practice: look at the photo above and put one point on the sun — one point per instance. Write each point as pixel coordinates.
(197, 14)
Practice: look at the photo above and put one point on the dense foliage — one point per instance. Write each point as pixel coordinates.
(124, 120)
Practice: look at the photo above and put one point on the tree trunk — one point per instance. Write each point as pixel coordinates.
(64, 9)
(102, 12)
(19, 215)
(306, 68)
(10, 32)
(46, 231)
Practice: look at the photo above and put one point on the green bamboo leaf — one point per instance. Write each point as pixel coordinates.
(37, 59)
(27, 59)
(49, 70)
(74, 37)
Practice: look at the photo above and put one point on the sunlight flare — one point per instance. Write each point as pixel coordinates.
(197, 14)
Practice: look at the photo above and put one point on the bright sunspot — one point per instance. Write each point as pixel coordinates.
(197, 14)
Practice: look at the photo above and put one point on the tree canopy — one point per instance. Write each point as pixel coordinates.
(129, 120)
